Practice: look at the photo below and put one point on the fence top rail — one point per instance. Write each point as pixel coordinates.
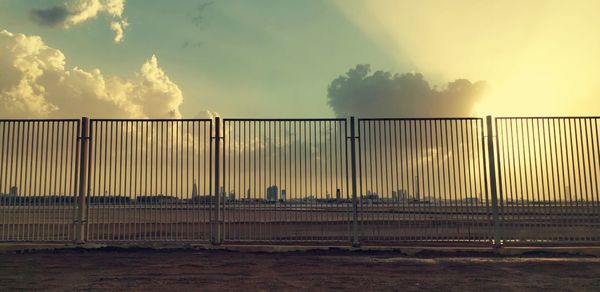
(423, 119)
(150, 120)
(549, 117)
(37, 120)
(299, 119)
(285, 120)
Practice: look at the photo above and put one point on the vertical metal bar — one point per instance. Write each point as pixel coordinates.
(481, 183)
(439, 170)
(223, 187)
(3, 199)
(21, 212)
(64, 126)
(216, 221)
(493, 189)
(83, 140)
(119, 190)
(23, 190)
(3, 175)
(397, 185)
(355, 240)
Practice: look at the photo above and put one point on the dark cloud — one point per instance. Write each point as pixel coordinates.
(383, 94)
(51, 17)
(196, 16)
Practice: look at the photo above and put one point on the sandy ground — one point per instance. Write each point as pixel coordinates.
(181, 270)
(383, 223)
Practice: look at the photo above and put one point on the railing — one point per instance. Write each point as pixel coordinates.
(373, 181)
(150, 180)
(38, 180)
(548, 178)
(285, 180)
(423, 180)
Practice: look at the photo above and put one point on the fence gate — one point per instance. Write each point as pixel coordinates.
(423, 180)
(548, 178)
(285, 180)
(38, 180)
(149, 180)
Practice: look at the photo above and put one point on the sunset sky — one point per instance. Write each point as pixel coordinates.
(154, 59)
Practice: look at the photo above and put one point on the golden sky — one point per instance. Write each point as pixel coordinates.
(538, 57)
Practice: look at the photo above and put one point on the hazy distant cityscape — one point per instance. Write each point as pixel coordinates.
(271, 195)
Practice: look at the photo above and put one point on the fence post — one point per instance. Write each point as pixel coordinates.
(82, 200)
(493, 187)
(217, 219)
(355, 240)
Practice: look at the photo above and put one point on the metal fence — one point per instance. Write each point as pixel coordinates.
(149, 180)
(423, 180)
(548, 178)
(285, 180)
(508, 180)
(38, 180)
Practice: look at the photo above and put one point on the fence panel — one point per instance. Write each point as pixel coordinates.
(285, 180)
(38, 185)
(150, 180)
(548, 178)
(423, 180)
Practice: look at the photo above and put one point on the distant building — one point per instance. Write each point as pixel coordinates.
(231, 196)
(194, 191)
(472, 200)
(248, 194)
(338, 195)
(399, 195)
(372, 195)
(272, 193)
(283, 195)
(14, 191)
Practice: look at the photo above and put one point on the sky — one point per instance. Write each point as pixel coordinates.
(259, 58)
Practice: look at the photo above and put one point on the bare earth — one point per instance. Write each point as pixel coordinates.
(180, 270)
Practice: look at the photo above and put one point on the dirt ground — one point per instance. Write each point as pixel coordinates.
(181, 270)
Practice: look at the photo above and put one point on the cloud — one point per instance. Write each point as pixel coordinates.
(79, 11)
(118, 27)
(53, 16)
(207, 114)
(383, 94)
(35, 84)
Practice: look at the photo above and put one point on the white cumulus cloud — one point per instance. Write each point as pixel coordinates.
(82, 10)
(34, 83)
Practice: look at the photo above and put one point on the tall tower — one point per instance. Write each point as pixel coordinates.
(272, 193)
(194, 190)
(417, 195)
